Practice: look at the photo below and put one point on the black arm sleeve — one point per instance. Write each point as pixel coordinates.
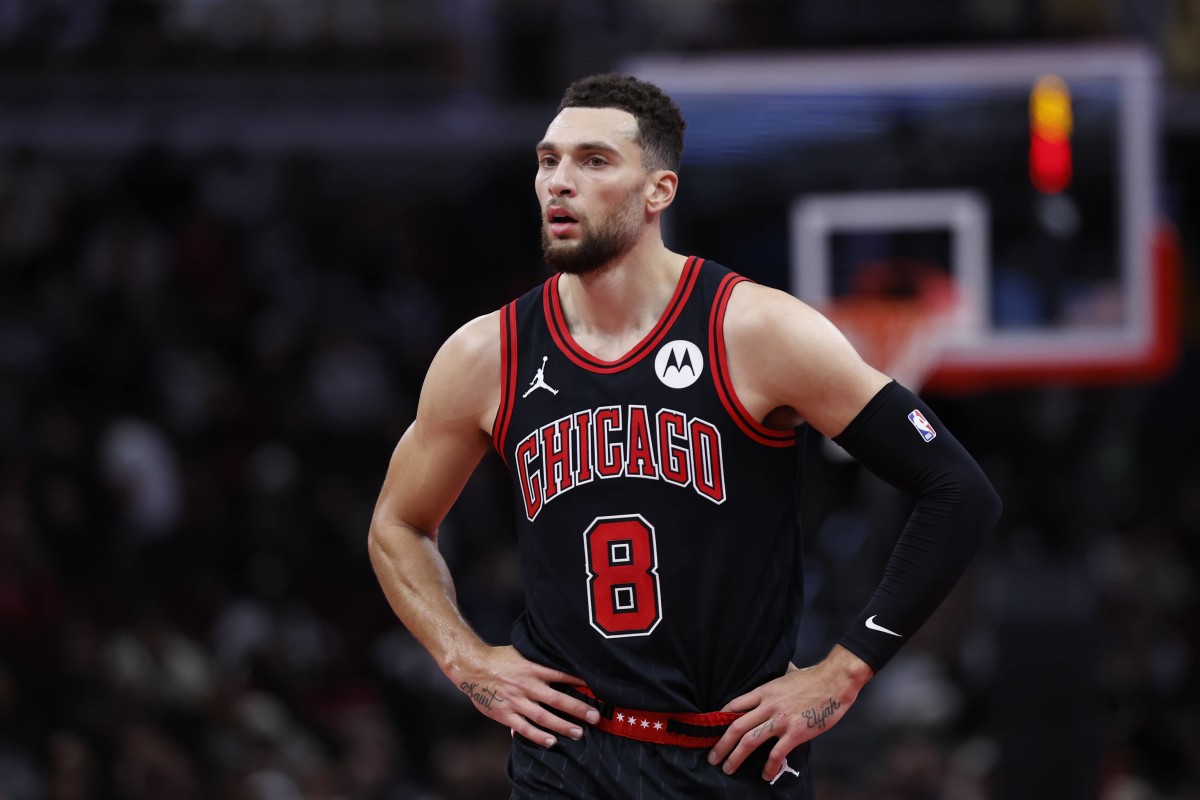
(955, 508)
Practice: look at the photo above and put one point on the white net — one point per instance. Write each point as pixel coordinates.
(901, 338)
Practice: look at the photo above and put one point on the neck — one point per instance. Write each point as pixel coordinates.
(615, 306)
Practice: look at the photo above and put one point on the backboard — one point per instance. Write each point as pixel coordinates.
(833, 164)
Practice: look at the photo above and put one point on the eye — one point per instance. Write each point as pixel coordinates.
(595, 161)
(547, 162)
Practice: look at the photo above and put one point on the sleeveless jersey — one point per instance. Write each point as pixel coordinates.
(657, 521)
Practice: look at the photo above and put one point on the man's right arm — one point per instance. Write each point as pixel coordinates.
(428, 470)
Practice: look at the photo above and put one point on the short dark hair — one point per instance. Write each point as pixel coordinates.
(660, 125)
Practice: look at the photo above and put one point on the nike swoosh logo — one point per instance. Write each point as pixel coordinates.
(871, 624)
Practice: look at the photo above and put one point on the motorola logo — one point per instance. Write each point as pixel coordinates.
(679, 364)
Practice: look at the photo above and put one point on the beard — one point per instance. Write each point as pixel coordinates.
(610, 240)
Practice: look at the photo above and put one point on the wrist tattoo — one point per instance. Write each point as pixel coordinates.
(818, 716)
(485, 697)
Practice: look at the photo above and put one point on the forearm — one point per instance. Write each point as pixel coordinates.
(954, 507)
(932, 552)
(418, 586)
(500, 682)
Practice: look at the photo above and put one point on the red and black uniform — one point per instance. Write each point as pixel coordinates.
(658, 521)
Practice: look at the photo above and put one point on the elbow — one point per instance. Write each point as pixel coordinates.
(986, 501)
(995, 506)
(373, 529)
(967, 497)
(379, 539)
(388, 536)
(374, 542)
(982, 506)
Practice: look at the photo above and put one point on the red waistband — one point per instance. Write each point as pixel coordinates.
(682, 729)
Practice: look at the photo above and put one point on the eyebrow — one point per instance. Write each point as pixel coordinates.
(585, 146)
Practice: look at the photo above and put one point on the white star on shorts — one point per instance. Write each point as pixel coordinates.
(645, 723)
(620, 717)
(658, 726)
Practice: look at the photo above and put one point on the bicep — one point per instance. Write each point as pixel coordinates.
(802, 361)
(445, 443)
(428, 470)
(833, 384)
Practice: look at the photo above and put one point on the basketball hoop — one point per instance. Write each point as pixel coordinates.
(902, 337)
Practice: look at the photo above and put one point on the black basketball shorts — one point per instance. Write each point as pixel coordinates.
(605, 766)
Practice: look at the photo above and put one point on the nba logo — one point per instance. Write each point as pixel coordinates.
(922, 425)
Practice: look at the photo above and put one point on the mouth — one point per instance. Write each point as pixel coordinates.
(559, 221)
(559, 215)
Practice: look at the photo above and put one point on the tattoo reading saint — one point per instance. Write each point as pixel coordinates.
(817, 716)
(485, 697)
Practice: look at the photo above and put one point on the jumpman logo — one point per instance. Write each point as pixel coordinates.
(539, 381)
(783, 769)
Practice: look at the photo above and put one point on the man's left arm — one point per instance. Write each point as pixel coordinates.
(790, 364)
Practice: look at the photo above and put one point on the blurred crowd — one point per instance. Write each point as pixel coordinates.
(204, 364)
(206, 359)
(530, 48)
(205, 367)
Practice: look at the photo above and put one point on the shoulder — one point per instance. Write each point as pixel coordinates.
(770, 321)
(463, 382)
(474, 345)
(760, 311)
(787, 355)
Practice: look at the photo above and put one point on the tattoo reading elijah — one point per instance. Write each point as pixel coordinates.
(485, 697)
(817, 717)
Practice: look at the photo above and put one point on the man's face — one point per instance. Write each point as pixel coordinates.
(591, 187)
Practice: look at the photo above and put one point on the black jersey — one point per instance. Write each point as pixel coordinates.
(657, 520)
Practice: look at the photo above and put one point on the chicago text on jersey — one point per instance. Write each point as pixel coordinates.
(615, 442)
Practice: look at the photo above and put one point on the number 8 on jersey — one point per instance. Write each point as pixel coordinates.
(622, 569)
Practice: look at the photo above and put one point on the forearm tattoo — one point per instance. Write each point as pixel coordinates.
(818, 716)
(484, 697)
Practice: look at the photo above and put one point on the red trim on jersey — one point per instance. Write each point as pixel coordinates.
(508, 377)
(582, 358)
(682, 729)
(724, 384)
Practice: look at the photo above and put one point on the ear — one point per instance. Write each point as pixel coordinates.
(660, 190)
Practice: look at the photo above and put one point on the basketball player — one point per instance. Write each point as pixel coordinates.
(646, 404)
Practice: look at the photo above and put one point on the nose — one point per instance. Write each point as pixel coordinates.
(560, 183)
